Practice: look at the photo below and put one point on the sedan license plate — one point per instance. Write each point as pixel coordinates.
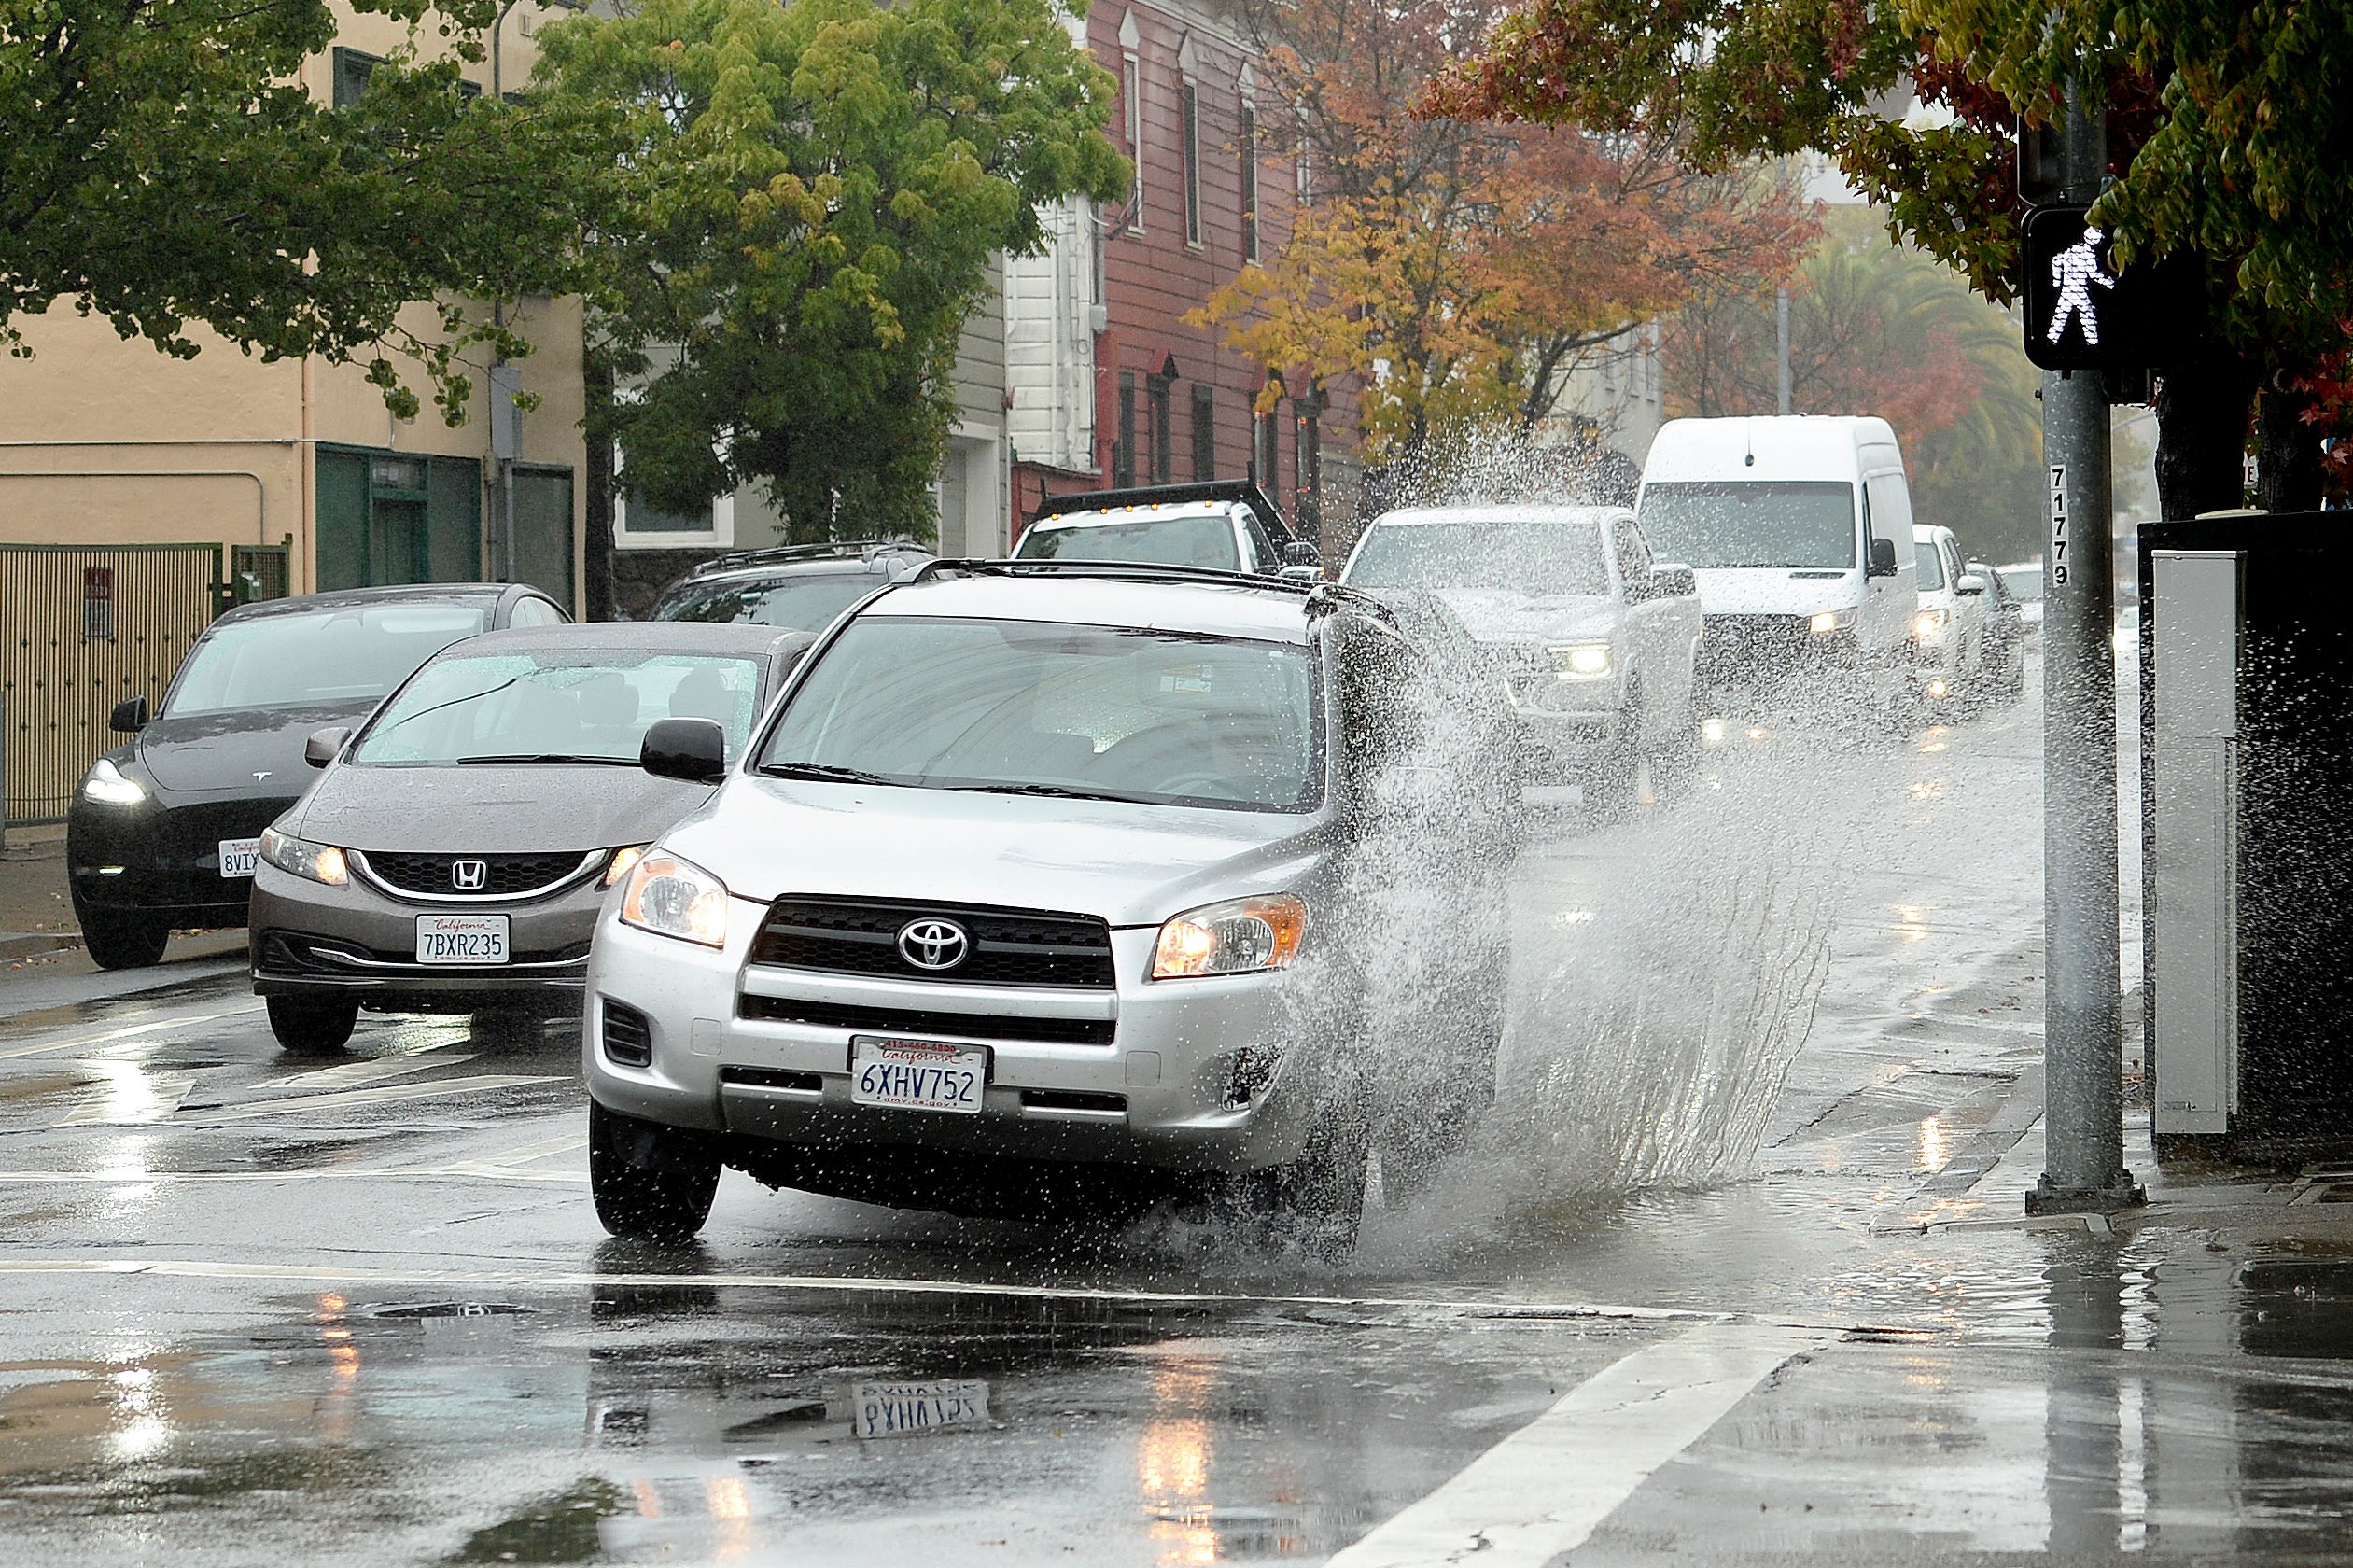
(239, 856)
(917, 1074)
(461, 939)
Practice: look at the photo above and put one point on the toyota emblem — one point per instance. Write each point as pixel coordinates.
(934, 944)
(469, 876)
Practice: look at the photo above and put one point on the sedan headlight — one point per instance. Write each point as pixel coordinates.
(622, 859)
(1931, 623)
(107, 784)
(1583, 661)
(1241, 936)
(671, 897)
(318, 863)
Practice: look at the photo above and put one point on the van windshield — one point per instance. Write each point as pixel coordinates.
(1751, 522)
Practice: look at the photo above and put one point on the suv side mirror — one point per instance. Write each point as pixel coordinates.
(325, 745)
(130, 716)
(1883, 558)
(691, 751)
(1673, 581)
(1970, 583)
(1302, 553)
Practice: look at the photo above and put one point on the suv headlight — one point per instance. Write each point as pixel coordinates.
(671, 897)
(1583, 661)
(318, 863)
(1241, 936)
(1931, 623)
(107, 784)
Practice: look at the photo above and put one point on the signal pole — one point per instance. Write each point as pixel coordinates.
(2084, 1115)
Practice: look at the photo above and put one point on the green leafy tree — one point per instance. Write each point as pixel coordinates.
(813, 194)
(2227, 131)
(162, 166)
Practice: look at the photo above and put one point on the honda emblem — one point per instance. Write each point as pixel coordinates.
(468, 876)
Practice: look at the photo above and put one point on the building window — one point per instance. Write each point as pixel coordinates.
(1163, 460)
(1190, 100)
(1131, 88)
(1250, 183)
(352, 71)
(633, 514)
(1204, 431)
(1123, 452)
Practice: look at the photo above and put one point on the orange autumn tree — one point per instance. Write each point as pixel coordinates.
(1461, 272)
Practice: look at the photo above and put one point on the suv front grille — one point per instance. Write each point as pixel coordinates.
(1009, 947)
(956, 1025)
(437, 875)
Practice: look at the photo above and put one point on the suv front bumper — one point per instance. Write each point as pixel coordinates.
(1188, 1074)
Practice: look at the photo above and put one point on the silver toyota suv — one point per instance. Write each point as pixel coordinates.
(1053, 888)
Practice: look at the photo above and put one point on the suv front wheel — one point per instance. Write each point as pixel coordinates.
(650, 1182)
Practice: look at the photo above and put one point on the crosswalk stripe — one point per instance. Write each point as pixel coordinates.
(143, 1098)
(110, 1037)
(354, 1074)
(386, 1094)
(1543, 1489)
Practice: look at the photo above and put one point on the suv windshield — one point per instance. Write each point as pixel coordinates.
(580, 705)
(1027, 706)
(806, 603)
(1519, 557)
(2025, 583)
(354, 654)
(1751, 522)
(1197, 540)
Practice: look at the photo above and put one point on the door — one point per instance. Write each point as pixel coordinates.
(389, 517)
(1661, 656)
(1891, 602)
(543, 530)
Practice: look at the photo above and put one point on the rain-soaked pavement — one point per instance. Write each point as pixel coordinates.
(260, 1310)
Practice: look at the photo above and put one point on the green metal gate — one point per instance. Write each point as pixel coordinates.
(82, 627)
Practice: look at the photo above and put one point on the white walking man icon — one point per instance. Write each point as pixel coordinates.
(2075, 270)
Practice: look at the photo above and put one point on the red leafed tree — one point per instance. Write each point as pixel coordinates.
(1461, 270)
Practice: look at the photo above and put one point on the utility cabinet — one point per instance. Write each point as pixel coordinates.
(2247, 825)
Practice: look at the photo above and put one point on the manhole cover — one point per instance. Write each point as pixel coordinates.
(454, 1309)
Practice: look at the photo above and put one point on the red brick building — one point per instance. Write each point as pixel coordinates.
(1107, 384)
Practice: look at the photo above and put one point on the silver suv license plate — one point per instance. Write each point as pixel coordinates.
(917, 1074)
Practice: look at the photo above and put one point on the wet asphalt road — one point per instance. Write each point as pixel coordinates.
(255, 1309)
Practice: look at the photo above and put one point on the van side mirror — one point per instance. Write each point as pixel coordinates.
(1883, 558)
(1970, 583)
(1673, 580)
(325, 745)
(130, 716)
(691, 751)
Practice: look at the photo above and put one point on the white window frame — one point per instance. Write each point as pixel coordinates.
(721, 531)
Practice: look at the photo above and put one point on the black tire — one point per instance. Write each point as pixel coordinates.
(123, 939)
(312, 1026)
(650, 1182)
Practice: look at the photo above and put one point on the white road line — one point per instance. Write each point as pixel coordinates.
(8, 1053)
(338, 1173)
(144, 1097)
(386, 1095)
(352, 1074)
(200, 1269)
(1543, 1489)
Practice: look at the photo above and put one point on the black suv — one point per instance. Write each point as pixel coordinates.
(803, 586)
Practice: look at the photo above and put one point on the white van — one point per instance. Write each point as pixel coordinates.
(1798, 530)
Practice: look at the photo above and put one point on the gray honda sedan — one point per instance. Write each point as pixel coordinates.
(452, 857)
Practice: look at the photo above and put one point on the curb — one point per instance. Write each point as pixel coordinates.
(36, 944)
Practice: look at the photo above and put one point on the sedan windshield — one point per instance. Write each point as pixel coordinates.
(579, 706)
(806, 603)
(1035, 707)
(1199, 541)
(1751, 522)
(1522, 557)
(349, 655)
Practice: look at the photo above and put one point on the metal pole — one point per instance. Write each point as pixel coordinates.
(1780, 340)
(2083, 1119)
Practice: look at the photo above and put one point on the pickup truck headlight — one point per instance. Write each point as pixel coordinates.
(317, 863)
(671, 897)
(1241, 936)
(107, 784)
(1584, 661)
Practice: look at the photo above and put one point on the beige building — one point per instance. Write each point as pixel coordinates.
(106, 441)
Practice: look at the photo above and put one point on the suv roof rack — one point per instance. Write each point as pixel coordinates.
(1243, 490)
(829, 550)
(1319, 599)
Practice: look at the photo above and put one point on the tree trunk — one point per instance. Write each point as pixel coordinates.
(2202, 436)
(2288, 472)
(597, 548)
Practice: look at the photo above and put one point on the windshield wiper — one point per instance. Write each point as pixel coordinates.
(549, 757)
(1059, 791)
(826, 772)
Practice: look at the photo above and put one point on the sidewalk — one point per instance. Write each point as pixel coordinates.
(36, 916)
